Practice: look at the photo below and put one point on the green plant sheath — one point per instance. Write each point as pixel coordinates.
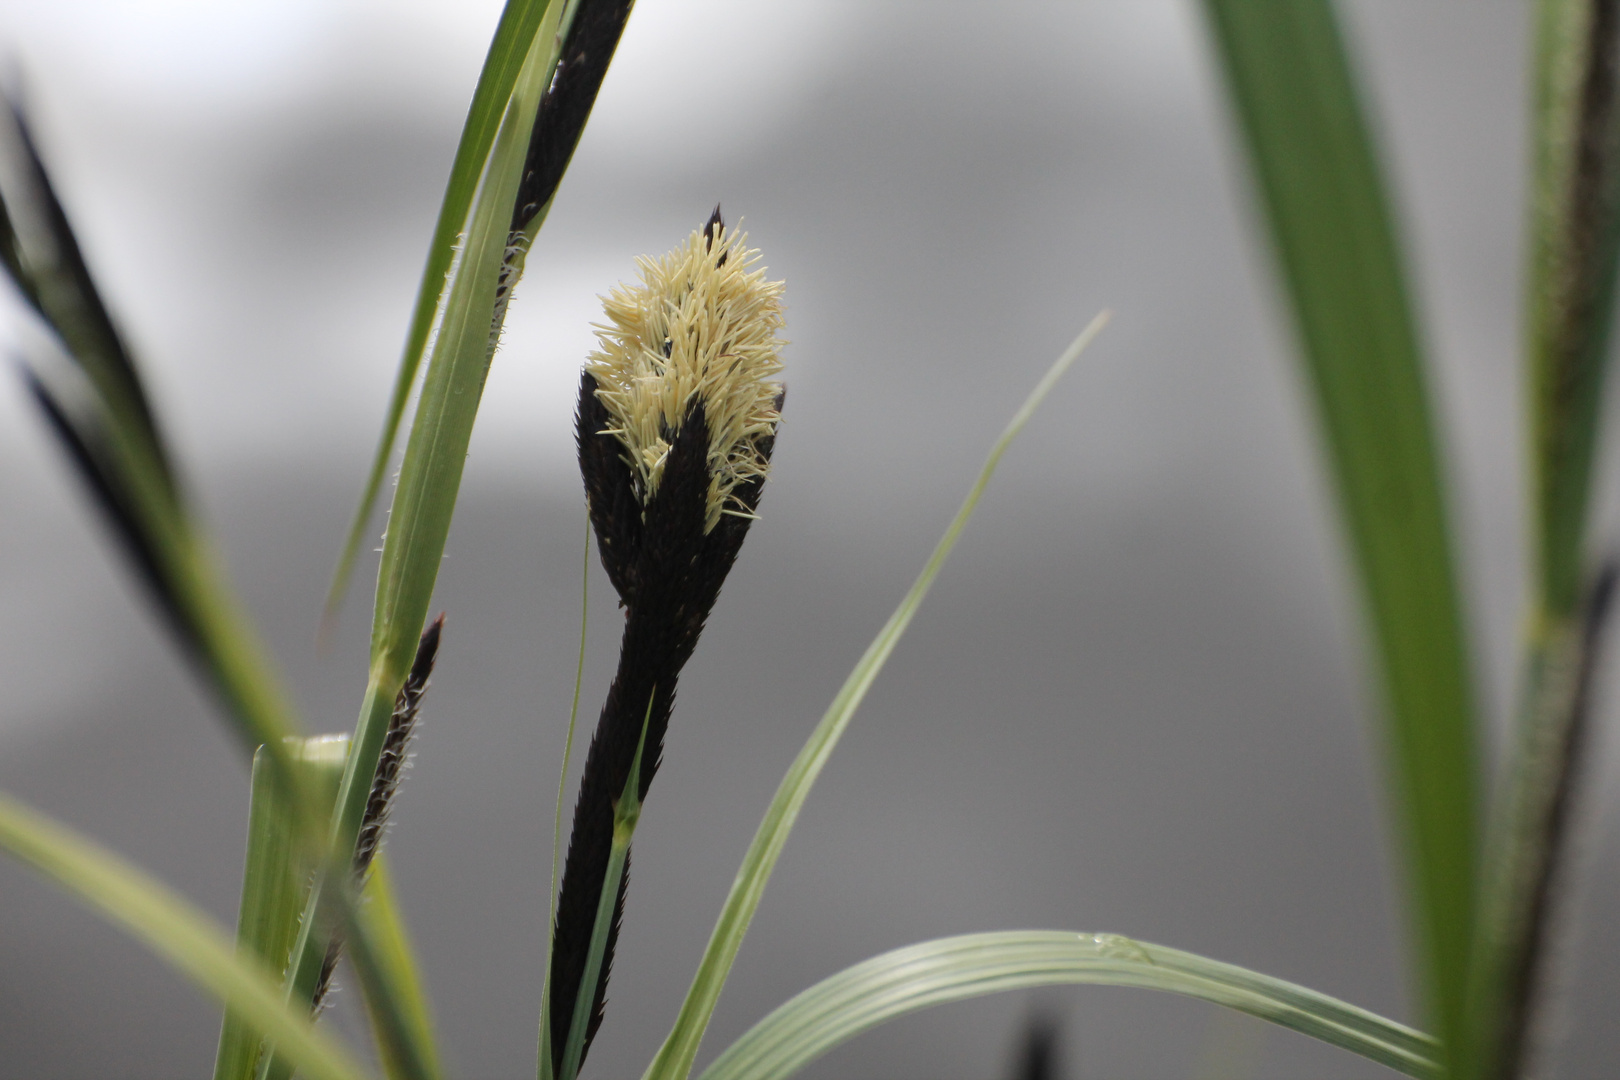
(272, 885)
(1324, 200)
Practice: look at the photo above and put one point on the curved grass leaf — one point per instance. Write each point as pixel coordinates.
(175, 930)
(675, 1057)
(1574, 238)
(1324, 200)
(952, 969)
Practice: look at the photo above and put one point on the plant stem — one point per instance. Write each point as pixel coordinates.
(1530, 837)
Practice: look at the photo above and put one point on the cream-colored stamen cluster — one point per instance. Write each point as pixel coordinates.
(693, 329)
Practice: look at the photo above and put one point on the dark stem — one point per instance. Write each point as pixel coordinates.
(1552, 757)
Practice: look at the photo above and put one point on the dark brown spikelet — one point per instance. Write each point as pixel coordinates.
(79, 438)
(396, 745)
(384, 785)
(41, 255)
(712, 231)
(567, 102)
(672, 490)
(668, 573)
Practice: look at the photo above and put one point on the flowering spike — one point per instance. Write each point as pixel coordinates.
(697, 328)
(676, 425)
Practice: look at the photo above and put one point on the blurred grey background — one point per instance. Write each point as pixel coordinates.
(1134, 702)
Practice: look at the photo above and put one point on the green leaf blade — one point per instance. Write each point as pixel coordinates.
(174, 929)
(1323, 197)
(674, 1059)
(973, 965)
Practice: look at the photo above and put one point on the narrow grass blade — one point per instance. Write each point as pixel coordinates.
(675, 1057)
(953, 969)
(1324, 200)
(273, 885)
(424, 502)
(175, 930)
(522, 23)
(398, 959)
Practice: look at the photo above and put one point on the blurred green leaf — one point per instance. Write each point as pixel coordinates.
(1324, 201)
(98, 408)
(1574, 236)
(175, 930)
(675, 1057)
(1575, 233)
(858, 999)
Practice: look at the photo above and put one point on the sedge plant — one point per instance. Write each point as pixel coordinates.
(675, 430)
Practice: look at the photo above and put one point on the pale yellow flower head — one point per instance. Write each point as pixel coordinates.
(701, 325)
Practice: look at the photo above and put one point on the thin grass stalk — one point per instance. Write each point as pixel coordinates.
(521, 22)
(175, 930)
(1574, 241)
(675, 1057)
(511, 198)
(396, 956)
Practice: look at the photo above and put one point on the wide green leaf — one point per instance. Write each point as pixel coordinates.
(675, 1057)
(857, 999)
(1323, 197)
(175, 930)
